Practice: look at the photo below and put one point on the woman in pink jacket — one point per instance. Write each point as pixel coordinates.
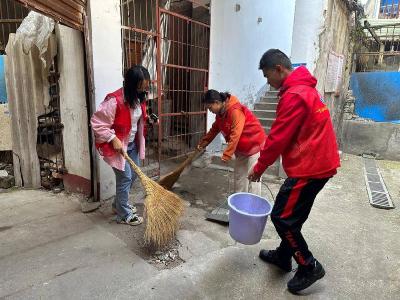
(118, 126)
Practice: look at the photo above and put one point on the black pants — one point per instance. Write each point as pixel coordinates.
(291, 209)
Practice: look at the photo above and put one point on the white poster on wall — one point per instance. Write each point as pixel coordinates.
(333, 77)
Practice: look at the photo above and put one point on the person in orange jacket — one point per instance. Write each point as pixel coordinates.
(243, 133)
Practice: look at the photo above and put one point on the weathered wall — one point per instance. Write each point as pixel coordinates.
(326, 27)
(73, 109)
(361, 136)
(336, 37)
(107, 68)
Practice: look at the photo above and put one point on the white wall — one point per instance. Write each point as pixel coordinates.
(73, 101)
(238, 41)
(107, 68)
(308, 24)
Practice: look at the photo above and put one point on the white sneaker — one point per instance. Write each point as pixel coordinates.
(133, 221)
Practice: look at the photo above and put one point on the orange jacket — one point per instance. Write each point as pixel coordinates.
(240, 128)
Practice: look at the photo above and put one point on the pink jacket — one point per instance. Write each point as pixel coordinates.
(102, 120)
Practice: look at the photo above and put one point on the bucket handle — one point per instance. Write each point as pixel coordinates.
(249, 187)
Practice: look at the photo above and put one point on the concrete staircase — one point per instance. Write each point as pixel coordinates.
(265, 110)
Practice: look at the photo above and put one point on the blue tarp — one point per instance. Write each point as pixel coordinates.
(3, 93)
(377, 95)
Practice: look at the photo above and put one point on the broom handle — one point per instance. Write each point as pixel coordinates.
(140, 172)
(189, 159)
(134, 166)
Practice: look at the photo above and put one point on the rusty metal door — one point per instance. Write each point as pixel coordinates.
(183, 69)
(173, 43)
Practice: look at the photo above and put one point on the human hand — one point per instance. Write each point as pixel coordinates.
(224, 160)
(253, 176)
(153, 119)
(117, 145)
(200, 147)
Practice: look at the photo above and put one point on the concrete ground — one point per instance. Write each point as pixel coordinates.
(49, 249)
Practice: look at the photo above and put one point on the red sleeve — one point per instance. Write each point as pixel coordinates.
(210, 136)
(292, 113)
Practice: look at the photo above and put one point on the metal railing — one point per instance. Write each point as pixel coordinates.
(378, 48)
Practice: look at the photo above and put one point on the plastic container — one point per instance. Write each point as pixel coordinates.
(248, 215)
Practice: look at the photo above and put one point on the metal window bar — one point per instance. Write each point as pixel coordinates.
(138, 30)
(11, 15)
(175, 48)
(187, 70)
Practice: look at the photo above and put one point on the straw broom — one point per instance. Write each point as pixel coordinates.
(162, 210)
(169, 180)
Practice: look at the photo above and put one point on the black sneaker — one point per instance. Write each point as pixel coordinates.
(272, 257)
(306, 276)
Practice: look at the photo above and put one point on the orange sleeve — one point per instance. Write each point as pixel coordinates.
(238, 120)
(211, 134)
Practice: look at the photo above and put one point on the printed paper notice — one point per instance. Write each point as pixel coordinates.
(334, 71)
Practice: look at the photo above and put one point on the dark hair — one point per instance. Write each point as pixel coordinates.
(132, 78)
(212, 96)
(274, 57)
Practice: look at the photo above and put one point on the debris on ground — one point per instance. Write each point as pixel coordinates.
(168, 257)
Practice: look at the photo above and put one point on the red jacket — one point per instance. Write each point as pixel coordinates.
(122, 122)
(240, 128)
(302, 132)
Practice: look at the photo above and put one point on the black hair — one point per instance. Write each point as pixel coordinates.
(274, 57)
(212, 96)
(132, 79)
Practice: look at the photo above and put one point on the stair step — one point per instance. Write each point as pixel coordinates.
(265, 106)
(269, 99)
(261, 113)
(267, 129)
(266, 121)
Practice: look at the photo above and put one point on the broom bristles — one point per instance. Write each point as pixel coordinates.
(162, 210)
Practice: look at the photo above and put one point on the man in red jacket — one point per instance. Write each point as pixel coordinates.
(303, 134)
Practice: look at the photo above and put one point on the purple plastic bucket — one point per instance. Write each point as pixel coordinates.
(248, 215)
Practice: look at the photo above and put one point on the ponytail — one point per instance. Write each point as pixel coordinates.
(212, 96)
(224, 96)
